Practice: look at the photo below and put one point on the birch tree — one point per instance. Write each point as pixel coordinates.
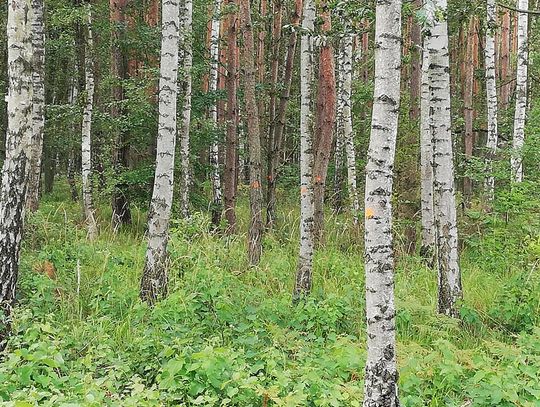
(491, 96)
(184, 128)
(38, 105)
(254, 141)
(444, 199)
(381, 387)
(340, 136)
(348, 126)
(426, 163)
(521, 92)
(86, 151)
(154, 280)
(305, 261)
(18, 144)
(213, 83)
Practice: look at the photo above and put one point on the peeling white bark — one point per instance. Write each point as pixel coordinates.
(521, 92)
(18, 144)
(217, 194)
(187, 50)
(491, 96)
(38, 105)
(348, 126)
(86, 157)
(305, 261)
(155, 279)
(426, 163)
(444, 199)
(381, 379)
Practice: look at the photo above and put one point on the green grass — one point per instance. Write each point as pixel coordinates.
(228, 335)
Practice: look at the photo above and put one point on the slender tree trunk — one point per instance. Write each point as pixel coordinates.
(261, 55)
(184, 128)
(230, 177)
(427, 250)
(521, 92)
(214, 149)
(381, 380)
(444, 198)
(350, 149)
(468, 113)
(272, 108)
(305, 262)
(155, 276)
(120, 202)
(277, 140)
(416, 66)
(339, 155)
(88, 205)
(254, 141)
(18, 145)
(73, 95)
(491, 96)
(38, 106)
(505, 60)
(326, 117)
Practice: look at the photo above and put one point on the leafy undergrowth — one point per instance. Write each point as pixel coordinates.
(228, 335)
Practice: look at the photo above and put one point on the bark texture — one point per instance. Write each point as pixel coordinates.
(426, 163)
(18, 144)
(217, 195)
(446, 234)
(491, 96)
(38, 105)
(184, 127)
(381, 379)
(254, 141)
(155, 276)
(230, 177)
(305, 262)
(521, 92)
(86, 151)
(326, 117)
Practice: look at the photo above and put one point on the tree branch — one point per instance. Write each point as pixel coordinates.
(533, 12)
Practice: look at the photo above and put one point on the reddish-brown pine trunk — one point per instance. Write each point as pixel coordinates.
(230, 175)
(504, 57)
(276, 146)
(325, 120)
(222, 70)
(261, 67)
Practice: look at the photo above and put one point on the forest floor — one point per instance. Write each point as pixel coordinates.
(228, 335)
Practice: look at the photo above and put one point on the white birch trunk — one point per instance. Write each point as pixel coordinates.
(213, 82)
(348, 127)
(18, 144)
(154, 280)
(381, 379)
(305, 261)
(340, 137)
(521, 92)
(38, 115)
(444, 199)
(86, 157)
(491, 96)
(426, 163)
(187, 29)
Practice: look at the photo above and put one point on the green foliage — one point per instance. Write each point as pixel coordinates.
(229, 335)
